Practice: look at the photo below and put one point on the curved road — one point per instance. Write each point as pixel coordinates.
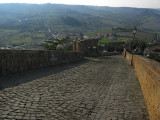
(104, 88)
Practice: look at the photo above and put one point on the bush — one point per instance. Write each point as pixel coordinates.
(136, 46)
(155, 56)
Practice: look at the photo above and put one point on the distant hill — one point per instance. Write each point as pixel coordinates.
(29, 19)
(70, 21)
(90, 18)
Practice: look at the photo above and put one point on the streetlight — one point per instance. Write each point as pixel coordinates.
(134, 34)
(134, 31)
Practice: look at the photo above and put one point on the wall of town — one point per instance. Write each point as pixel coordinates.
(148, 73)
(87, 47)
(22, 60)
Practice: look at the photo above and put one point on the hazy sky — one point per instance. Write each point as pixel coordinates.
(114, 3)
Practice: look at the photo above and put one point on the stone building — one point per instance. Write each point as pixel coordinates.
(87, 47)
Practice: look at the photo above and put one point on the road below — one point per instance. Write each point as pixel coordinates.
(104, 88)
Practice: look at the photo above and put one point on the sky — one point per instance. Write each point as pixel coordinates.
(112, 3)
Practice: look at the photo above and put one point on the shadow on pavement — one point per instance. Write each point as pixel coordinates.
(15, 79)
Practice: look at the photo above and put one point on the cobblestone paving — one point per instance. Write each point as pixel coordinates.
(104, 88)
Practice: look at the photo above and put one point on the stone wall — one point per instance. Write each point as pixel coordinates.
(87, 47)
(112, 46)
(22, 60)
(148, 73)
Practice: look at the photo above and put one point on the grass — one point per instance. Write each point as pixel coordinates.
(106, 40)
(18, 37)
(11, 31)
(19, 41)
(8, 31)
(125, 39)
(119, 39)
(157, 33)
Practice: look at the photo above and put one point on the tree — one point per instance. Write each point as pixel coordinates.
(136, 44)
(81, 35)
(52, 45)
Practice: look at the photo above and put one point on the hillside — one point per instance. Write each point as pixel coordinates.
(32, 22)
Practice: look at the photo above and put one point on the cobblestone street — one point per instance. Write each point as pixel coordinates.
(104, 88)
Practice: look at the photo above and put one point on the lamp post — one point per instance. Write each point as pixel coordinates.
(134, 34)
(134, 31)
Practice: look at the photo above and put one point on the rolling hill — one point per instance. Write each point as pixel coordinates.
(33, 22)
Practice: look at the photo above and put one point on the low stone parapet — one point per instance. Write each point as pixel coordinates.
(12, 61)
(148, 73)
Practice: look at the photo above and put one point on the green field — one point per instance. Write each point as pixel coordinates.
(119, 39)
(17, 37)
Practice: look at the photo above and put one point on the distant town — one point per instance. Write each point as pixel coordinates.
(57, 36)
